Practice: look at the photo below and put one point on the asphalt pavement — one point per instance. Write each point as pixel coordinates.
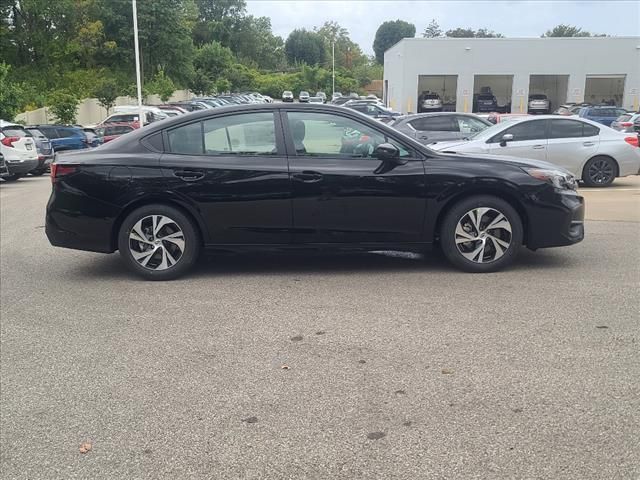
(334, 367)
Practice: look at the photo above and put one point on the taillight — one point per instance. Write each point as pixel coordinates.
(633, 141)
(626, 124)
(8, 141)
(58, 171)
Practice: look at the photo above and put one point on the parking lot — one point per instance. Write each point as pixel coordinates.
(355, 367)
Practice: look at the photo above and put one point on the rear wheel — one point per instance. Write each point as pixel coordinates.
(158, 242)
(12, 178)
(481, 234)
(599, 172)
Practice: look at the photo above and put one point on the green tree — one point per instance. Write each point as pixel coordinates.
(64, 106)
(161, 85)
(106, 93)
(390, 33)
(347, 53)
(253, 43)
(471, 33)
(563, 30)
(303, 46)
(201, 84)
(10, 94)
(433, 30)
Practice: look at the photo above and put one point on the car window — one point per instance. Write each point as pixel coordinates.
(186, 139)
(589, 130)
(438, 123)
(623, 118)
(328, 135)
(470, 125)
(244, 134)
(66, 133)
(36, 133)
(565, 129)
(15, 132)
(49, 132)
(522, 131)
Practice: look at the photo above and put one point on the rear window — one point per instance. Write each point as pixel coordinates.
(603, 112)
(485, 97)
(36, 133)
(623, 118)
(431, 96)
(538, 97)
(15, 132)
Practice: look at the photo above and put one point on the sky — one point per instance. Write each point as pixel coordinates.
(516, 18)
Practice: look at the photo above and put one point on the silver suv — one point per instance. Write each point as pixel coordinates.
(429, 102)
(539, 103)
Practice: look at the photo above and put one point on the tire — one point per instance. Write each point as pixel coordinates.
(488, 249)
(166, 259)
(600, 171)
(36, 173)
(12, 178)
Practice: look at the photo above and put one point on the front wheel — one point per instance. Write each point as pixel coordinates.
(481, 234)
(158, 242)
(12, 178)
(599, 172)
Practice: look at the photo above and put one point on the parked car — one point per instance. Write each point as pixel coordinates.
(335, 95)
(625, 122)
(323, 96)
(539, 103)
(93, 140)
(152, 113)
(175, 108)
(131, 118)
(45, 151)
(64, 137)
(485, 102)
(18, 149)
(315, 100)
(267, 188)
(112, 131)
(190, 106)
(303, 97)
(287, 96)
(4, 171)
(373, 110)
(601, 114)
(564, 110)
(436, 127)
(429, 102)
(594, 153)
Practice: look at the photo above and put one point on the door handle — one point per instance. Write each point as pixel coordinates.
(538, 147)
(189, 175)
(307, 176)
(588, 144)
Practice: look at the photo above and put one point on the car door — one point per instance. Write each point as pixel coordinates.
(341, 194)
(529, 140)
(571, 143)
(435, 128)
(233, 169)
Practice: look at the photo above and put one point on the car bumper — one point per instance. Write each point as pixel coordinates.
(555, 219)
(21, 168)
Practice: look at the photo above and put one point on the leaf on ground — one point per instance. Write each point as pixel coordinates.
(85, 447)
(250, 420)
(285, 367)
(297, 338)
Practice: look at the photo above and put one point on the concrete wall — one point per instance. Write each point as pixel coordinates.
(577, 58)
(90, 112)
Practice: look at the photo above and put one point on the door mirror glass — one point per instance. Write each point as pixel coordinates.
(507, 137)
(387, 152)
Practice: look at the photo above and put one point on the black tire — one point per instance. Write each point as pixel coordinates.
(37, 173)
(12, 178)
(502, 256)
(190, 236)
(600, 171)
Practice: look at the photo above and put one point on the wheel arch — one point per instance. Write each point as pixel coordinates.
(162, 200)
(505, 195)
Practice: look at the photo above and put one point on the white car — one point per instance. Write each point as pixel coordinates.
(18, 149)
(539, 103)
(594, 153)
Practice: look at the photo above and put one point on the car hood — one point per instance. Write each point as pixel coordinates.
(517, 161)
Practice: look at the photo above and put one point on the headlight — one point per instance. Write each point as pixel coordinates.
(557, 178)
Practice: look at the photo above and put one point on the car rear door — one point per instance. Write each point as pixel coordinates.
(341, 194)
(529, 140)
(233, 169)
(571, 143)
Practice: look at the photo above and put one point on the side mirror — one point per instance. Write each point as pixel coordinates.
(387, 153)
(507, 137)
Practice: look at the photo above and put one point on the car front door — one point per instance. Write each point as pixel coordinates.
(233, 169)
(529, 140)
(572, 143)
(343, 194)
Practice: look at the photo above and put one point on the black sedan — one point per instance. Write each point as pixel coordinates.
(312, 177)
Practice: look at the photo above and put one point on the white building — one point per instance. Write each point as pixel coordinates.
(594, 70)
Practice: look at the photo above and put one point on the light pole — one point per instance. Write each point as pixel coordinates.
(137, 49)
(333, 68)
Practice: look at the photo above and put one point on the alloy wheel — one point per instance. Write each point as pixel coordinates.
(483, 235)
(601, 171)
(156, 242)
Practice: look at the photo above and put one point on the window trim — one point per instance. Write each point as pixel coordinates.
(414, 154)
(498, 136)
(280, 148)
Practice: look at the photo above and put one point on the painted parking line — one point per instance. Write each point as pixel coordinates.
(610, 190)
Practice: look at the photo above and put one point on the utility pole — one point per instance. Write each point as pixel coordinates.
(333, 72)
(137, 49)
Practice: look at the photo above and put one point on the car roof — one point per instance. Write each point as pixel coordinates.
(4, 123)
